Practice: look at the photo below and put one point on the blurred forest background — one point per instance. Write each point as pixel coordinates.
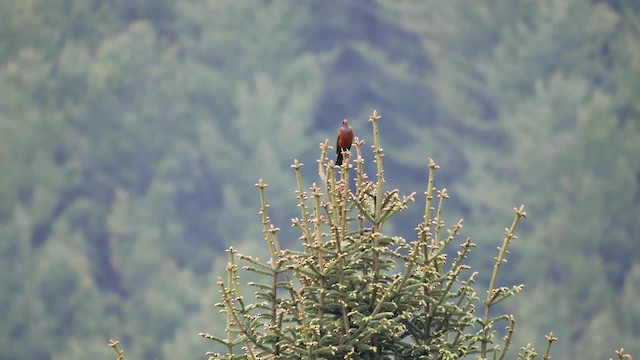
(132, 133)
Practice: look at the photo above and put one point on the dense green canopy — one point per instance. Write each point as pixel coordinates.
(132, 133)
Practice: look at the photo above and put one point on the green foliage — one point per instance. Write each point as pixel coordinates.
(355, 291)
(131, 129)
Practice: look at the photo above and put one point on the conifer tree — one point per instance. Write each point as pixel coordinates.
(356, 292)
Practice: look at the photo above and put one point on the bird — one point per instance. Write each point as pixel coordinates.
(345, 138)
